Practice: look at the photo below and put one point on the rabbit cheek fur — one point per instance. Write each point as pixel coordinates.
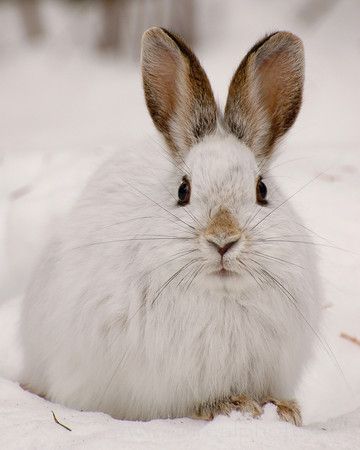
(128, 311)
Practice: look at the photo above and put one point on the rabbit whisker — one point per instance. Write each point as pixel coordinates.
(176, 256)
(197, 273)
(314, 233)
(148, 217)
(269, 241)
(171, 278)
(252, 217)
(131, 220)
(157, 204)
(266, 256)
(283, 163)
(275, 281)
(298, 235)
(288, 198)
(247, 270)
(171, 160)
(158, 293)
(112, 241)
(192, 277)
(185, 208)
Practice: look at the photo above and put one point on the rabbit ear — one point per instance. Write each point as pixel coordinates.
(177, 91)
(265, 92)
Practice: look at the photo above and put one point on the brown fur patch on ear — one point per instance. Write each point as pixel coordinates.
(265, 92)
(177, 91)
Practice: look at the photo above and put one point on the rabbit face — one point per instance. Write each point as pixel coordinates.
(232, 222)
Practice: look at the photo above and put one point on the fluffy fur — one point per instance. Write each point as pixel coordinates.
(128, 312)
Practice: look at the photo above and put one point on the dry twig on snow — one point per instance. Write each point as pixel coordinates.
(352, 339)
(59, 423)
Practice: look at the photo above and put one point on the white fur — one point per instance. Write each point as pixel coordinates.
(102, 333)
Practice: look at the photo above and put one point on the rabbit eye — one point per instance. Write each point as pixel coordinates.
(184, 192)
(261, 192)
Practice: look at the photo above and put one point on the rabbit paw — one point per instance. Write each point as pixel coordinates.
(241, 403)
(288, 410)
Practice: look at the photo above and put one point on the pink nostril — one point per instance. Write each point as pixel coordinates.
(222, 250)
(225, 248)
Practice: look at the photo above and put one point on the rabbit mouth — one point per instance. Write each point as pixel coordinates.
(225, 273)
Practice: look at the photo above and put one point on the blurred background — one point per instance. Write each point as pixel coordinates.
(71, 94)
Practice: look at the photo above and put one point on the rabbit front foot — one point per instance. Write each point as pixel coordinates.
(288, 410)
(208, 411)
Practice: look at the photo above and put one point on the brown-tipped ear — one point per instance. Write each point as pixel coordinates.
(265, 92)
(177, 91)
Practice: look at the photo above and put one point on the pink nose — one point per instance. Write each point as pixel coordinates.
(224, 248)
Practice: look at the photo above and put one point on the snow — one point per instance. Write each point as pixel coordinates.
(63, 111)
(99, 431)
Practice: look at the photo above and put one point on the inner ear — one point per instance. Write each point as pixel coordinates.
(281, 93)
(163, 67)
(266, 91)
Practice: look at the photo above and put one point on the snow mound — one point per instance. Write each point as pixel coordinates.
(23, 411)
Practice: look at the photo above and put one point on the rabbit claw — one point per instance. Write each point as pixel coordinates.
(288, 410)
(240, 403)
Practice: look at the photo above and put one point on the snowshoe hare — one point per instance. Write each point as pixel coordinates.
(175, 287)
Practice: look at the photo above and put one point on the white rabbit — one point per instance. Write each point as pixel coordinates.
(176, 286)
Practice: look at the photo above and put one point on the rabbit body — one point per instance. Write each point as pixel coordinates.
(129, 311)
(94, 337)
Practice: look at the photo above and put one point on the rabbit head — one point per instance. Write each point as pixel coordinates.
(222, 159)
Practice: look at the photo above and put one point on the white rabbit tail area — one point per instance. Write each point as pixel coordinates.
(177, 282)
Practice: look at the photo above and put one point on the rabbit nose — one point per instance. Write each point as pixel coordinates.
(223, 231)
(222, 248)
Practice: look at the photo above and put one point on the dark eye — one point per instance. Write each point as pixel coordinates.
(261, 192)
(184, 192)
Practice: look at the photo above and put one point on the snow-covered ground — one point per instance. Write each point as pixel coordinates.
(63, 110)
